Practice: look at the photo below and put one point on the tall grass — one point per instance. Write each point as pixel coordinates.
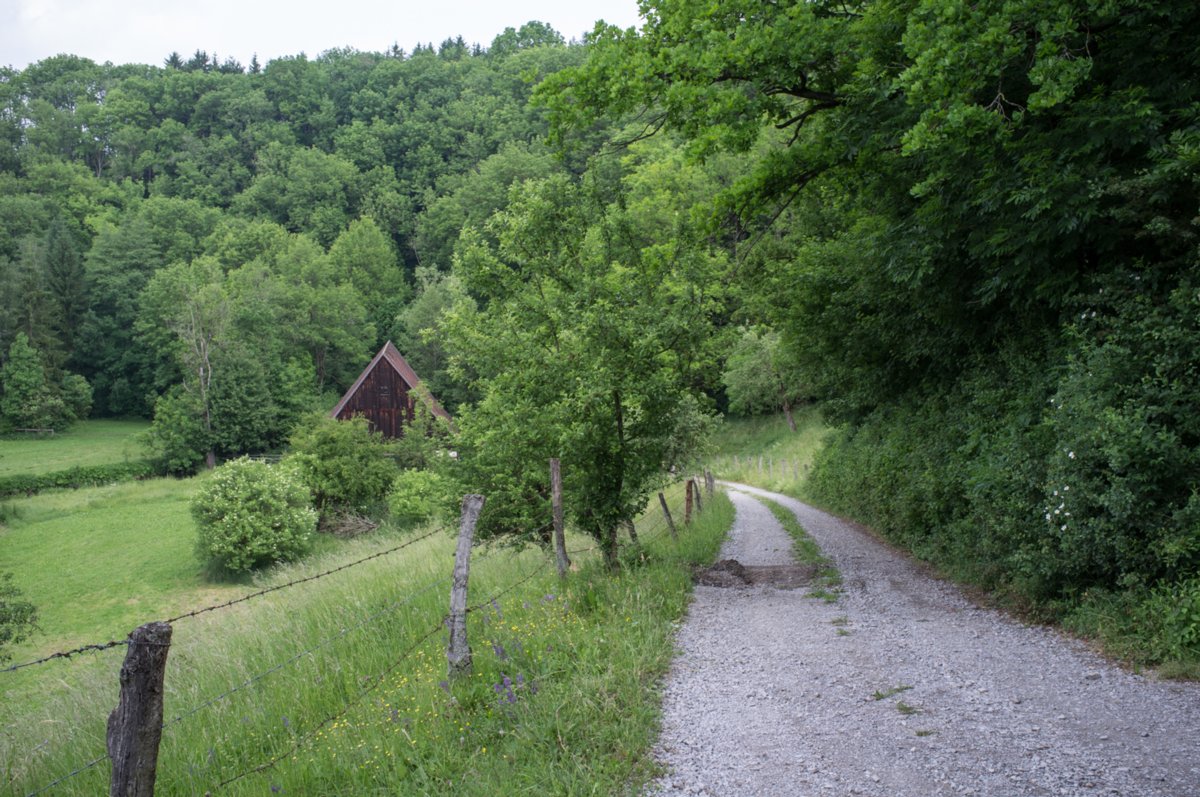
(763, 451)
(342, 682)
(86, 443)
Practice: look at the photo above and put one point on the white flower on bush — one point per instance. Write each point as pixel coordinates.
(251, 514)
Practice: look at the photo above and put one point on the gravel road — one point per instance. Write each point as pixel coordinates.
(903, 687)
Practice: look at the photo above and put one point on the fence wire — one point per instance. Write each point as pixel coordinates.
(68, 776)
(323, 643)
(305, 580)
(66, 654)
(305, 737)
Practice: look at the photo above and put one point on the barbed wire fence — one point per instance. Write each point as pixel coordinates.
(654, 527)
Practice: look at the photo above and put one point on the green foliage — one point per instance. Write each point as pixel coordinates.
(590, 332)
(28, 401)
(77, 395)
(758, 377)
(343, 463)
(1122, 503)
(18, 617)
(982, 260)
(75, 477)
(418, 495)
(250, 514)
(177, 439)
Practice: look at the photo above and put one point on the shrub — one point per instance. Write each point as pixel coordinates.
(417, 495)
(18, 618)
(251, 514)
(72, 478)
(344, 463)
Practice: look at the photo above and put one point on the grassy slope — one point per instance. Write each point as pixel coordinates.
(764, 452)
(593, 647)
(85, 443)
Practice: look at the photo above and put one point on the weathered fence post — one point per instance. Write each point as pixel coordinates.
(632, 529)
(458, 652)
(699, 500)
(687, 504)
(710, 484)
(135, 725)
(662, 499)
(560, 543)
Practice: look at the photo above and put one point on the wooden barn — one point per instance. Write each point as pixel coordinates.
(386, 393)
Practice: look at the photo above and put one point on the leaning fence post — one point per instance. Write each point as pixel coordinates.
(556, 503)
(687, 504)
(699, 500)
(135, 725)
(662, 499)
(632, 529)
(710, 484)
(458, 652)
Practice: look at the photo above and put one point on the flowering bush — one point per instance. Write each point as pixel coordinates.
(251, 514)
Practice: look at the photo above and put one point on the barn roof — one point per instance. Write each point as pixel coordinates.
(392, 356)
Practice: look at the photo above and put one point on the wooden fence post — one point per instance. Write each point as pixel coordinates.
(699, 500)
(458, 652)
(135, 725)
(632, 529)
(687, 504)
(560, 543)
(662, 499)
(710, 484)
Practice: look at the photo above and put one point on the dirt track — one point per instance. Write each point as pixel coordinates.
(902, 687)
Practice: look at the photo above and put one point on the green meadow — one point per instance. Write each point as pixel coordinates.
(86, 443)
(339, 686)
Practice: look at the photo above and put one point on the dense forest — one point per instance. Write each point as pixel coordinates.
(968, 232)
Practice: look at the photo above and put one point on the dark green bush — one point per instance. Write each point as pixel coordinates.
(72, 478)
(344, 464)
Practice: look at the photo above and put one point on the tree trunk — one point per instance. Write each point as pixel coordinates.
(608, 546)
(787, 411)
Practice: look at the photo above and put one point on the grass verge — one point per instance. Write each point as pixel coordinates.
(828, 581)
(341, 686)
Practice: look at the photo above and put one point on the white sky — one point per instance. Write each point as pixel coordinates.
(146, 31)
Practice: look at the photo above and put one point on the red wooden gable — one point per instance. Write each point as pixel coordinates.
(385, 394)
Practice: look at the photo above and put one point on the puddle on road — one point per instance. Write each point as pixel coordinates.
(733, 574)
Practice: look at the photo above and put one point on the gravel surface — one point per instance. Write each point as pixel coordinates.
(903, 687)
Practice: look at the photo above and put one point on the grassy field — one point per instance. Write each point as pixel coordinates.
(340, 684)
(85, 443)
(99, 561)
(764, 452)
